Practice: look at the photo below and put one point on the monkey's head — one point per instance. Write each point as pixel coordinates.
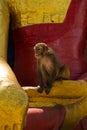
(40, 49)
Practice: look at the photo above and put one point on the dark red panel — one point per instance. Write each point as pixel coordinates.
(45, 119)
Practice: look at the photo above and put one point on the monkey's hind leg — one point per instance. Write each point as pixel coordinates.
(64, 73)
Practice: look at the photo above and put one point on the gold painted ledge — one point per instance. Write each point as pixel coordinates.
(64, 92)
(71, 94)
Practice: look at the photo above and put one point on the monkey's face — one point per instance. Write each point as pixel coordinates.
(40, 49)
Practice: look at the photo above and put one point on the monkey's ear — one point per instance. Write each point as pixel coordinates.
(34, 47)
(46, 47)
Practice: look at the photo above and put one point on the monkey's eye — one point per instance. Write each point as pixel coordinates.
(38, 49)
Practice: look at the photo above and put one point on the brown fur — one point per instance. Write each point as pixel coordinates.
(49, 67)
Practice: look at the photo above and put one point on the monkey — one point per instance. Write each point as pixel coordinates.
(49, 67)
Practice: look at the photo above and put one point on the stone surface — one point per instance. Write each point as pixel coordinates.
(13, 106)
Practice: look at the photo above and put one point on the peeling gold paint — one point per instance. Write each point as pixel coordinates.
(37, 11)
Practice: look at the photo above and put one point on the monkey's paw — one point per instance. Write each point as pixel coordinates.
(40, 90)
(47, 90)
